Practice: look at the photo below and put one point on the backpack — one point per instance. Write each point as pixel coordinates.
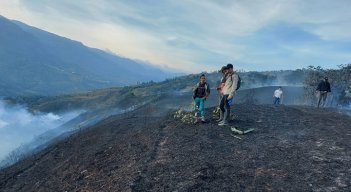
(238, 84)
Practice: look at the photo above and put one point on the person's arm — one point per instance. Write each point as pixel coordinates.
(194, 90)
(219, 87)
(208, 91)
(232, 90)
(319, 86)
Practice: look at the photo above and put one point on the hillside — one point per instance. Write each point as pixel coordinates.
(256, 88)
(293, 148)
(37, 62)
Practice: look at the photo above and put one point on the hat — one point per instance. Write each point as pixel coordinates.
(230, 66)
(223, 68)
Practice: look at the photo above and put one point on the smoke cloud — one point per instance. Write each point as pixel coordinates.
(19, 127)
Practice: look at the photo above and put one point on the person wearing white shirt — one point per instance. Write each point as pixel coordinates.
(278, 96)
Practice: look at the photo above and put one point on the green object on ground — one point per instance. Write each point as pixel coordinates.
(235, 136)
(248, 131)
(236, 130)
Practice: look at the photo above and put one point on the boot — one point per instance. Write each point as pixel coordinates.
(220, 116)
(197, 120)
(226, 118)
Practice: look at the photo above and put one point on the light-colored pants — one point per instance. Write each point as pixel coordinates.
(322, 97)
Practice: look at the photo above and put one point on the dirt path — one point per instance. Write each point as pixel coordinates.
(292, 149)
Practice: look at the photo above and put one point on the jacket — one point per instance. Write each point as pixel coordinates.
(201, 90)
(230, 85)
(324, 86)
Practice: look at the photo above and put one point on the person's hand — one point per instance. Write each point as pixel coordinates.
(230, 97)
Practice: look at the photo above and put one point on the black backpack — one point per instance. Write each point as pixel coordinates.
(238, 84)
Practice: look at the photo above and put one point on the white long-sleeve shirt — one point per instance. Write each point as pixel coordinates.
(278, 93)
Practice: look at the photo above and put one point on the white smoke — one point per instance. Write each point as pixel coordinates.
(19, 127)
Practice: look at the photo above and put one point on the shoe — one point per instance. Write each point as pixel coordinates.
(222, 123)
(197, 120)
(203, 120)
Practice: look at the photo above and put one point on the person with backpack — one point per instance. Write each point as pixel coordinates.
(200, 93)
(231, 85)
(224, 71)
(323, 89)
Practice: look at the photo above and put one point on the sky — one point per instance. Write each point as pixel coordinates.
(194, 36)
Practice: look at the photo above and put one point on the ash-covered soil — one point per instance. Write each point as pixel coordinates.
(293, 148)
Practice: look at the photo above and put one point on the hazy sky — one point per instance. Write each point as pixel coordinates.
(201, 35)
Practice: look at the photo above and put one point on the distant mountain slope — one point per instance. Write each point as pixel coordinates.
(33, 61)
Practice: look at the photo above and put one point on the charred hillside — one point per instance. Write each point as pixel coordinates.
(292, 149)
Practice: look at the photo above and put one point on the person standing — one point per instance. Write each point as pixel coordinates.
(278, 96)
(224, 71)
(229, 90)
(322, 90)
(200, 93)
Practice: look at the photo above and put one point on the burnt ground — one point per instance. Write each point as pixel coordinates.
(293, 148)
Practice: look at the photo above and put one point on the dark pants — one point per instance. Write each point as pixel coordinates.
(276, 100)
(322, 97)
(225, 108)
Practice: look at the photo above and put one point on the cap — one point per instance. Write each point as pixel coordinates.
(230, 66)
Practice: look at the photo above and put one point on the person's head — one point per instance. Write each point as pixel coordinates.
(224, 70)
(230, 68)
(202, 78)
(325, 78)
(280, 88)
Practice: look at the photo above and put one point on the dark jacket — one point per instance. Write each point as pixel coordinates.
(201, 90)
(324, 86)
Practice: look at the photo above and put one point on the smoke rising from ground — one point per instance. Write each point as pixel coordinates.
(19, 127)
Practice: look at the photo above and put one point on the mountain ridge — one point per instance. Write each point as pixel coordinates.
(34, 61)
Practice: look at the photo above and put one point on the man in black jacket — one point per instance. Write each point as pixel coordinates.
(200, 93)
(323, 89)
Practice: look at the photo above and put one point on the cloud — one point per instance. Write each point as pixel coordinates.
(200, 35)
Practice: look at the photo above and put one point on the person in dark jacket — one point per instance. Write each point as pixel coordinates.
(322, 90)
(200, 93)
